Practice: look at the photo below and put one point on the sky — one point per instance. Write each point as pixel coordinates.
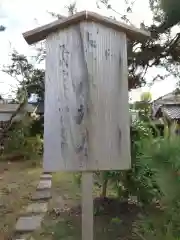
(22, 15)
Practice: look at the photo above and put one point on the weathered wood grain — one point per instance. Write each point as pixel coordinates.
(86, 100)
(65, 102)
(109, 111)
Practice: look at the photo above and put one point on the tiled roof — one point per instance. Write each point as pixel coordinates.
(172, 111)
(172, 98)
(12, 107)
(4, 107)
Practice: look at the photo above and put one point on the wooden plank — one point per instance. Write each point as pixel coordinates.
(87, 206)
(124, 114)
(42, 32)
(65, 103)
(109, 120)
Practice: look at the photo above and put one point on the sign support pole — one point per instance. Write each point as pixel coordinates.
(87, 206)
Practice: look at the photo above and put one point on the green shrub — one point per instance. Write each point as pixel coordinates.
(20, 142)
(154, 179)
(139, 180)
(163, 158)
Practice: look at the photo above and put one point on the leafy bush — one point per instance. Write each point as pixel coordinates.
(20, 143)
(154, 179)
(162, 157)
(139, 180)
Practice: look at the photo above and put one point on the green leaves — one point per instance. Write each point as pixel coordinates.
(30, 79)
(20, 142)
(161, 157)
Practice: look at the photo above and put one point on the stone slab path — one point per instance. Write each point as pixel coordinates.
(44, 184)
(31, 217)
(28, 223)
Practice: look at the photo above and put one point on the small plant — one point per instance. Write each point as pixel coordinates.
(116, 220)
(98, 210)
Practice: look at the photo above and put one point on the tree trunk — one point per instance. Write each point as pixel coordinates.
(104, 188)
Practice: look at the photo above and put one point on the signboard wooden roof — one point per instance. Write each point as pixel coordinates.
(42, 32)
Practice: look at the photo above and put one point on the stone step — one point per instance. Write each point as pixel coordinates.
(46, 176)
(44, 184)
(41, 195)
(24, 237)
(35, 208)
(28, 223)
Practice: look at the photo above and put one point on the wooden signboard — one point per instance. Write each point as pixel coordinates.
(86, 118)
(86, 100)
(87, 121)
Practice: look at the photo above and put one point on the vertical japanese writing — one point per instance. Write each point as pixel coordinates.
(64, 64)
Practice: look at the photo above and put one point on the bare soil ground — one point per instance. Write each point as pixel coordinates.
(17, 182)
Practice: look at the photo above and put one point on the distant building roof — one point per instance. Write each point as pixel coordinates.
(172, 111)
(170, 99)
(6, 107)
(12, 107)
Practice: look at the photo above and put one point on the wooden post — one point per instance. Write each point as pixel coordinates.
(87, 206)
